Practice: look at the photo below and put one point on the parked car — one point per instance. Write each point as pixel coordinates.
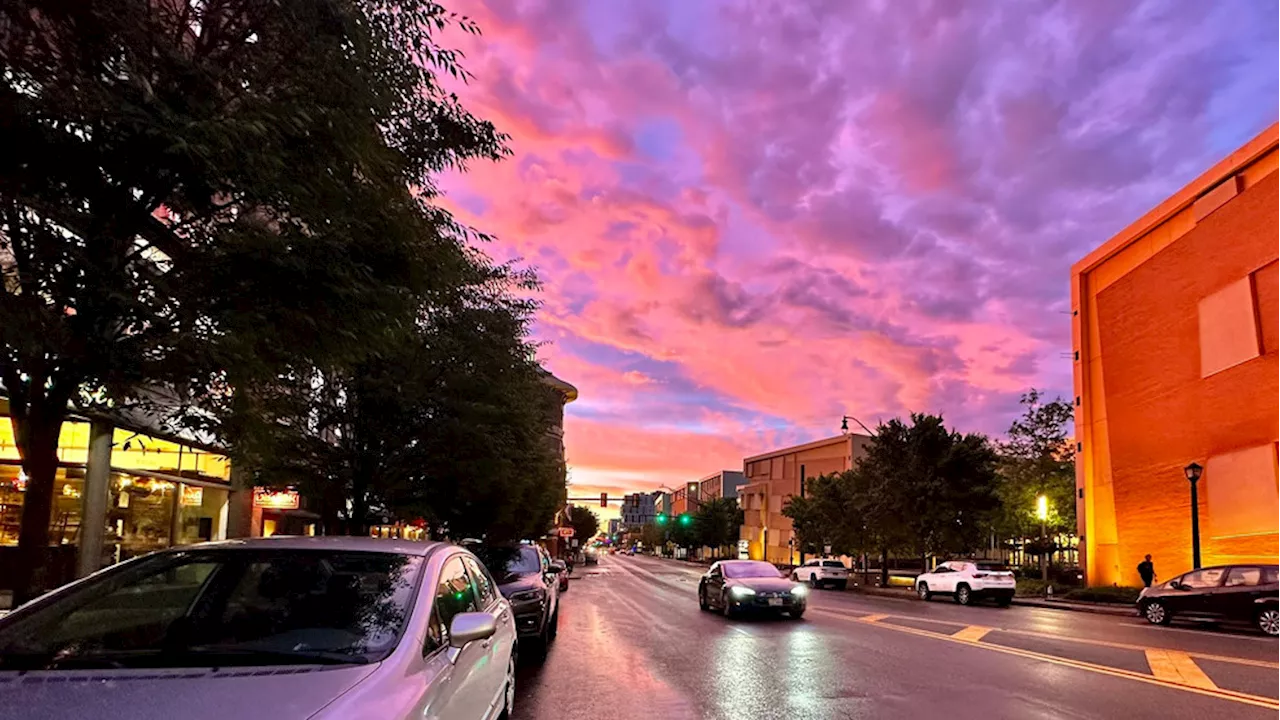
(527, 578)
(739, 586)
(562, 572)
(822, 572)
(967, 581)
(287, 627)
(1232, 593)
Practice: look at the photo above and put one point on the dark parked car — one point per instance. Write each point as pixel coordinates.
(1233, 593)
(740, 586)
(562, 571)
(527, 578)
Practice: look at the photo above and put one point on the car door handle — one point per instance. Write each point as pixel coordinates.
(486, 644)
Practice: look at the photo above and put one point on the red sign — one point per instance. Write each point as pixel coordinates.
(566, 532)
(275, 499)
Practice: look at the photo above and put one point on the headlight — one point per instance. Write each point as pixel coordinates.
(799, 591)
(740, 591)
(528, 596)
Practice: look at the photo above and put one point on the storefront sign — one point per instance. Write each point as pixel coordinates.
(566, 532)
(192, 495)
(275, 499)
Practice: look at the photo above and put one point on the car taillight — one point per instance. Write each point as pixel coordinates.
(979, 575)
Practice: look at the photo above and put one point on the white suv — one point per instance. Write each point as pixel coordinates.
(968, 581)
(822, 572)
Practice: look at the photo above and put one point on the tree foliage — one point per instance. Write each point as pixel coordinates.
(717, 522)
(586, 524)
(832, 512)
(216, 199)
(1038, 458)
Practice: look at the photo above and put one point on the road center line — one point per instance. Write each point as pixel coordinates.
(864, 618)
(1178, 667)
(1243, 698)
(973, 633)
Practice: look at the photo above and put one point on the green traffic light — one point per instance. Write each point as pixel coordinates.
(685, 519)
(662, 519)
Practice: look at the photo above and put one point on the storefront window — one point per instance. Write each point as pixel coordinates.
(64, 520)
(139, 516)
(203, 514)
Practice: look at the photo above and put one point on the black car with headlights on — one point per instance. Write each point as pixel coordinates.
(529, 580)
(742, 586)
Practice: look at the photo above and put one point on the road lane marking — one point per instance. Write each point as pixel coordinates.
(973, 632)
(1100, 643)
(866, 618)
(1178, 667)
(1243, 698)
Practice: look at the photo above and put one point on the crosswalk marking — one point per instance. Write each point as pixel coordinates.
(973, 633)
(1178, 667)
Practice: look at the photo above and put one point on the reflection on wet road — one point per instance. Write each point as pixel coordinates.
(633, 644)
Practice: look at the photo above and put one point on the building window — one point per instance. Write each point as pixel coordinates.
(1228, 328)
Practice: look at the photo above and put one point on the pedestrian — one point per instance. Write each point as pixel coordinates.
(1147, 571)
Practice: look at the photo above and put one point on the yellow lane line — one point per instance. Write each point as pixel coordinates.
(1178, 667)
(1104, 643)
(868, 618)
(1243, 698)
(973, 633)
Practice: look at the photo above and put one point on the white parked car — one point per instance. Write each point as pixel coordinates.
(822, 571)
(968, 581)
(282, 627)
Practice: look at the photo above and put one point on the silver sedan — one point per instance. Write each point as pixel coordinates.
(268, 628)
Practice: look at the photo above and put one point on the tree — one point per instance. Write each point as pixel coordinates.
(1038, 458)
(212, 198)
(653, 535)
(718, 522)
(586, 524)
(929, 490)
(830, 513)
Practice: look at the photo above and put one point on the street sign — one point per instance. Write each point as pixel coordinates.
(566, 532)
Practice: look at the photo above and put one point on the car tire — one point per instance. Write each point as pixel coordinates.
(1004, 601)
(796, 614)
(814, 582)
(702, 600)
(1268, 620)
(842, 585)
(1157, 613)
(509, 693)
(923, 591)
(795, 577)
(964, 596)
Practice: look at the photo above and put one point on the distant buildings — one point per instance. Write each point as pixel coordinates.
(639, 509)
(1174, 327)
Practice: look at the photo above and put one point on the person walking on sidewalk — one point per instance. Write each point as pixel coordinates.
(1147, 571)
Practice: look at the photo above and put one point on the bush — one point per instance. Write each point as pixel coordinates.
(1031, 587)
(1127, 595)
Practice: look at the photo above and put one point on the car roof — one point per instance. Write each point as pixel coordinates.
(325, 542)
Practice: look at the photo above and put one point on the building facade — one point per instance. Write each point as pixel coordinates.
(1174, 326)
(773, 477)
(639, 509)
(723, 484)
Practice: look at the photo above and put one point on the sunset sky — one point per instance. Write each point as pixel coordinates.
(753, 217)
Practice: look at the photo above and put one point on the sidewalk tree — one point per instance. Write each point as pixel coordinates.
(586, 524)
(205, 197)
(1038, 458)
(830, 513)
(718, 522)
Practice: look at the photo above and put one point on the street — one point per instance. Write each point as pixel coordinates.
(633, 644)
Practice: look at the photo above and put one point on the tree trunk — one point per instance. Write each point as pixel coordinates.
(38, 444)
(884, 568)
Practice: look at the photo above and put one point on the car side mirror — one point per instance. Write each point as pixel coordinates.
(471, 626)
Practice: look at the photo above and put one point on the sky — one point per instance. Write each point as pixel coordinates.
(751, 218)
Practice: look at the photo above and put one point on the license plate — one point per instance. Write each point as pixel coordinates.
(775, 601)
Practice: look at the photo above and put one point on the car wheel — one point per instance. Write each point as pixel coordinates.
(1156, 613)
(1268, 620)
(923, 590)
(702, 600)
(509, 695)
(964, 596)
(1004, 601)
(814, 582)
(797, 614)
(795, 577)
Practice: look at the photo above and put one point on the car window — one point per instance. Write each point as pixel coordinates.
(1269, 575)
(1244, 576)
(485, 593)
(241, 607)
(741, 569)
(813, 563)
(942, 569)
(1203, 578)
(453, 596)
(714, 571)
(833, 564)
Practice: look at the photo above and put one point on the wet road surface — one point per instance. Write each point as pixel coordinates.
(633, 644)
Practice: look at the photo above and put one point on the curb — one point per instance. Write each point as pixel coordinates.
(1097, 609)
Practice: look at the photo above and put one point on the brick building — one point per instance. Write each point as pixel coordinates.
(1175, 350)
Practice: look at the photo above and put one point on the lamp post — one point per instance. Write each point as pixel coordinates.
(844, 425)
(1042, 512)
(1193, 475)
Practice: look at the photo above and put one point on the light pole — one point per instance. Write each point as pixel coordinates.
(1042, 512)
(1193, 475)
(844, 425)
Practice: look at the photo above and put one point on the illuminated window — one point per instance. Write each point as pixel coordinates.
(1228, 328)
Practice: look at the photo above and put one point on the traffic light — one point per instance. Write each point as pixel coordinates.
(685, 519)
(604, 499)
(661, 519)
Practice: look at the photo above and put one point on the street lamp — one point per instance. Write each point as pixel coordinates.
(1042, 512)
(1193, 475)
(844, 424)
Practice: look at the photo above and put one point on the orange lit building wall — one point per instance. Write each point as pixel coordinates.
(772, 478)
(1175, 343)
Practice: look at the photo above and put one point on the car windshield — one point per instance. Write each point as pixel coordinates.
(506, 562)
(221, 607)
(750, 569)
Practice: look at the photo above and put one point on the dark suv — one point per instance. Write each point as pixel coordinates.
(526, 578)
(1233, 593)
